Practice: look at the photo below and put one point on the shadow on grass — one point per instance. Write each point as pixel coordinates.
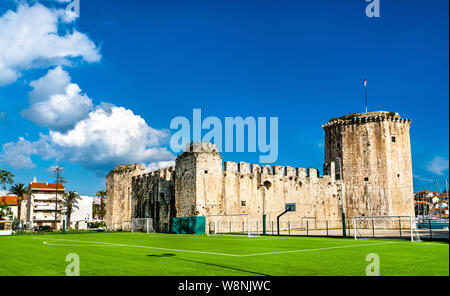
(207, 263)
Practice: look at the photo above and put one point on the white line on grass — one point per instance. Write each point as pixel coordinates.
(73, 245)
(211, 253)
(318, 249)
(137, 246)
(259, 238)
(212, 238)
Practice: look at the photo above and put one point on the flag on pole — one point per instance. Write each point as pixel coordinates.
(365, 92)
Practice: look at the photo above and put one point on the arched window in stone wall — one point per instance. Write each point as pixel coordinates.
(267, 184)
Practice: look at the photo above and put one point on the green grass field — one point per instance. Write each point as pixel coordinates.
(169, 255)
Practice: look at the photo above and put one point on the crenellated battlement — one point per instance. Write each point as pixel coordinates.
(312, 173)
(276, 170)
(230, 166)
(244, 168)
(360, 118)
(201, 147)
(163, 173)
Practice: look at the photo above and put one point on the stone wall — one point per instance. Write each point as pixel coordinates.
(376, 174)
(244, 185)
(153, 196)
(118, 196)
(199, 185)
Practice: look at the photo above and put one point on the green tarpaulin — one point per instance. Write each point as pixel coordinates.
(189, 225)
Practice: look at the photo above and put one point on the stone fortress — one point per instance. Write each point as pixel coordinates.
(374, 149)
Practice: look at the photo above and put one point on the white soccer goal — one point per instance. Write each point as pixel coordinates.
(231, 224)
(142, 225)
(385, 227)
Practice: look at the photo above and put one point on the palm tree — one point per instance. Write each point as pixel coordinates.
(95, 210)
(102, 195)
(70, 201)
(18, 190)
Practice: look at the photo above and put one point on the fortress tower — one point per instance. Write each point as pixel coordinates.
(375, 152)
(198, 181)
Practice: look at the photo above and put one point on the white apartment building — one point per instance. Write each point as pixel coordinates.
(44, 201)
(81, 216)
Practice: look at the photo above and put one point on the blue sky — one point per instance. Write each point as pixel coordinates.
(302, 61)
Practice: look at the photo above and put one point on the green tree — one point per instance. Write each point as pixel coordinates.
(18, 190)
(70, 202)
(95, 209)
(4, 209)
(102, 195)
(5, 178)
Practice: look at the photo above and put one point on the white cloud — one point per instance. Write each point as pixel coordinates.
(51, 169)
(153, 166)
(438, 165)
(3, 192)
(30, 38)
(18, 154)
(97, 139)
(110, 136)
(54, 82)
(420, 178)
(56, 102)
(7, 75)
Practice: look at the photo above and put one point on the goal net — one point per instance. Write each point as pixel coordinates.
(385, 227)
(142, 225)
(231, 224)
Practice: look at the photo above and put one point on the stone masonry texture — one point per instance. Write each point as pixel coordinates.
(374, 149)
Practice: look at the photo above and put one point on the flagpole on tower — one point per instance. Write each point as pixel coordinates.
(365, 92)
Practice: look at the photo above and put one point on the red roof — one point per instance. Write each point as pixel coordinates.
(9, 200)
(46, 186)
(424, 191)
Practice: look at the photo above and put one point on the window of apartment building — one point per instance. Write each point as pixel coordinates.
(243, 203)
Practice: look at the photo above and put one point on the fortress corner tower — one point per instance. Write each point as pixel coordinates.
(198, 182)
(375, 152)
